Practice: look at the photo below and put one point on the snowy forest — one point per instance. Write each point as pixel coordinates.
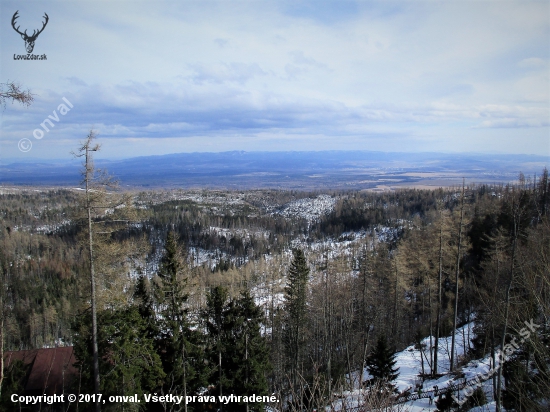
(296, 206)
(306, 296)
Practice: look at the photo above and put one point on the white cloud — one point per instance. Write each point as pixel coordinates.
(533, 63)
(205, 71)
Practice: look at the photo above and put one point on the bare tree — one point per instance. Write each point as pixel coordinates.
(104, 213)
(457, 272)
(14, 92)
(442, 243)
(516, 211)
(88, 173)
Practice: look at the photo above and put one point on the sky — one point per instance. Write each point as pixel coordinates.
(208, 76)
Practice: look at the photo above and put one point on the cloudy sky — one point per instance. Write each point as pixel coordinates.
(163, 77)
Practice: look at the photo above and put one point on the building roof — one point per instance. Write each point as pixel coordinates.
(51, 370)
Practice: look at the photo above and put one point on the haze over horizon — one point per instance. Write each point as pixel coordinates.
(179, 77)
(285, 170)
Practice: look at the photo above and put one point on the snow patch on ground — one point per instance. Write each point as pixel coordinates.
(308, 208)
(409, 362)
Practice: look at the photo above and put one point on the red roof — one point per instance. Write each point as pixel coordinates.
(51, 370)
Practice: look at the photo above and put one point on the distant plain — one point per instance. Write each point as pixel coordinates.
(323, 170)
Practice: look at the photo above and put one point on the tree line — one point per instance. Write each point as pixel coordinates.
(475, 254)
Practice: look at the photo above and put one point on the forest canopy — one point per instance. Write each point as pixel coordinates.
(230, 293)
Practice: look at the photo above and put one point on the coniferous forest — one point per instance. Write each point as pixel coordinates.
(299, 206)
(267, 292)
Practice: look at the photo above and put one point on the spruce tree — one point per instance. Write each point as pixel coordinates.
(445, 402)
(238, 354)
(295, 313)
(145, 304)
(219, 319)
(14, 383)
(249, 354)
(381, 362)
(177, 342)
(130, 364)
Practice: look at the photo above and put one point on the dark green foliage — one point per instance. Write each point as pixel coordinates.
(171, 296)
(189, 220)
(543, 194)
(41, 290)
(526, 376)
(249, 352)
(237, 353)
(219, 321)
(15, 377)
(477, 398)
(295, 313)
(129, 363)
(351, 213)
(178, 345)
(143, 299)
(445, 402)
(381, 362)
(481, 230)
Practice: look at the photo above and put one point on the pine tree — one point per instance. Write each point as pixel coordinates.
(14, 383)
(129, 365)
(145, 304)
(445, 402)
(249, 353)
(237, 351)
(295, 313)
(219, 319)
(381, 362)
(177, 342)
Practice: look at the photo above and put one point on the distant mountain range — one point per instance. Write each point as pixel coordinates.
(287, 170)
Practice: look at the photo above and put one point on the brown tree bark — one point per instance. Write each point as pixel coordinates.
(457, 272)
(87, 173)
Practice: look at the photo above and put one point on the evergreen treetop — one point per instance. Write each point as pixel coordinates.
(381, 362)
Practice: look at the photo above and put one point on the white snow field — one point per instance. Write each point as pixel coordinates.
(409, 363)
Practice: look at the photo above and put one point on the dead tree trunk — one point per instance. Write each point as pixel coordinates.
(88, 175)
(439, 276)
(453, 350)
(507, 307)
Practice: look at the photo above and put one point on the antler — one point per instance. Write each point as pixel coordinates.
(43, 25)
(29, 40)
(15, 16)
(34, 34)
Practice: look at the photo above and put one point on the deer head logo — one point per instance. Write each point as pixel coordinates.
(29, 40)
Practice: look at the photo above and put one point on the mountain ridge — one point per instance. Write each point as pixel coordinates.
(288, 169)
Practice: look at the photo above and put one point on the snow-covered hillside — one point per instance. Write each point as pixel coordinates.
(409, 361)
(309, 209)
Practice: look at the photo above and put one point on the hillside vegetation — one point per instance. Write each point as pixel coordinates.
(269, 291)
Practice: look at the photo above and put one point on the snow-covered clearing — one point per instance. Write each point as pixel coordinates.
(309, 209)
(409, 362)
